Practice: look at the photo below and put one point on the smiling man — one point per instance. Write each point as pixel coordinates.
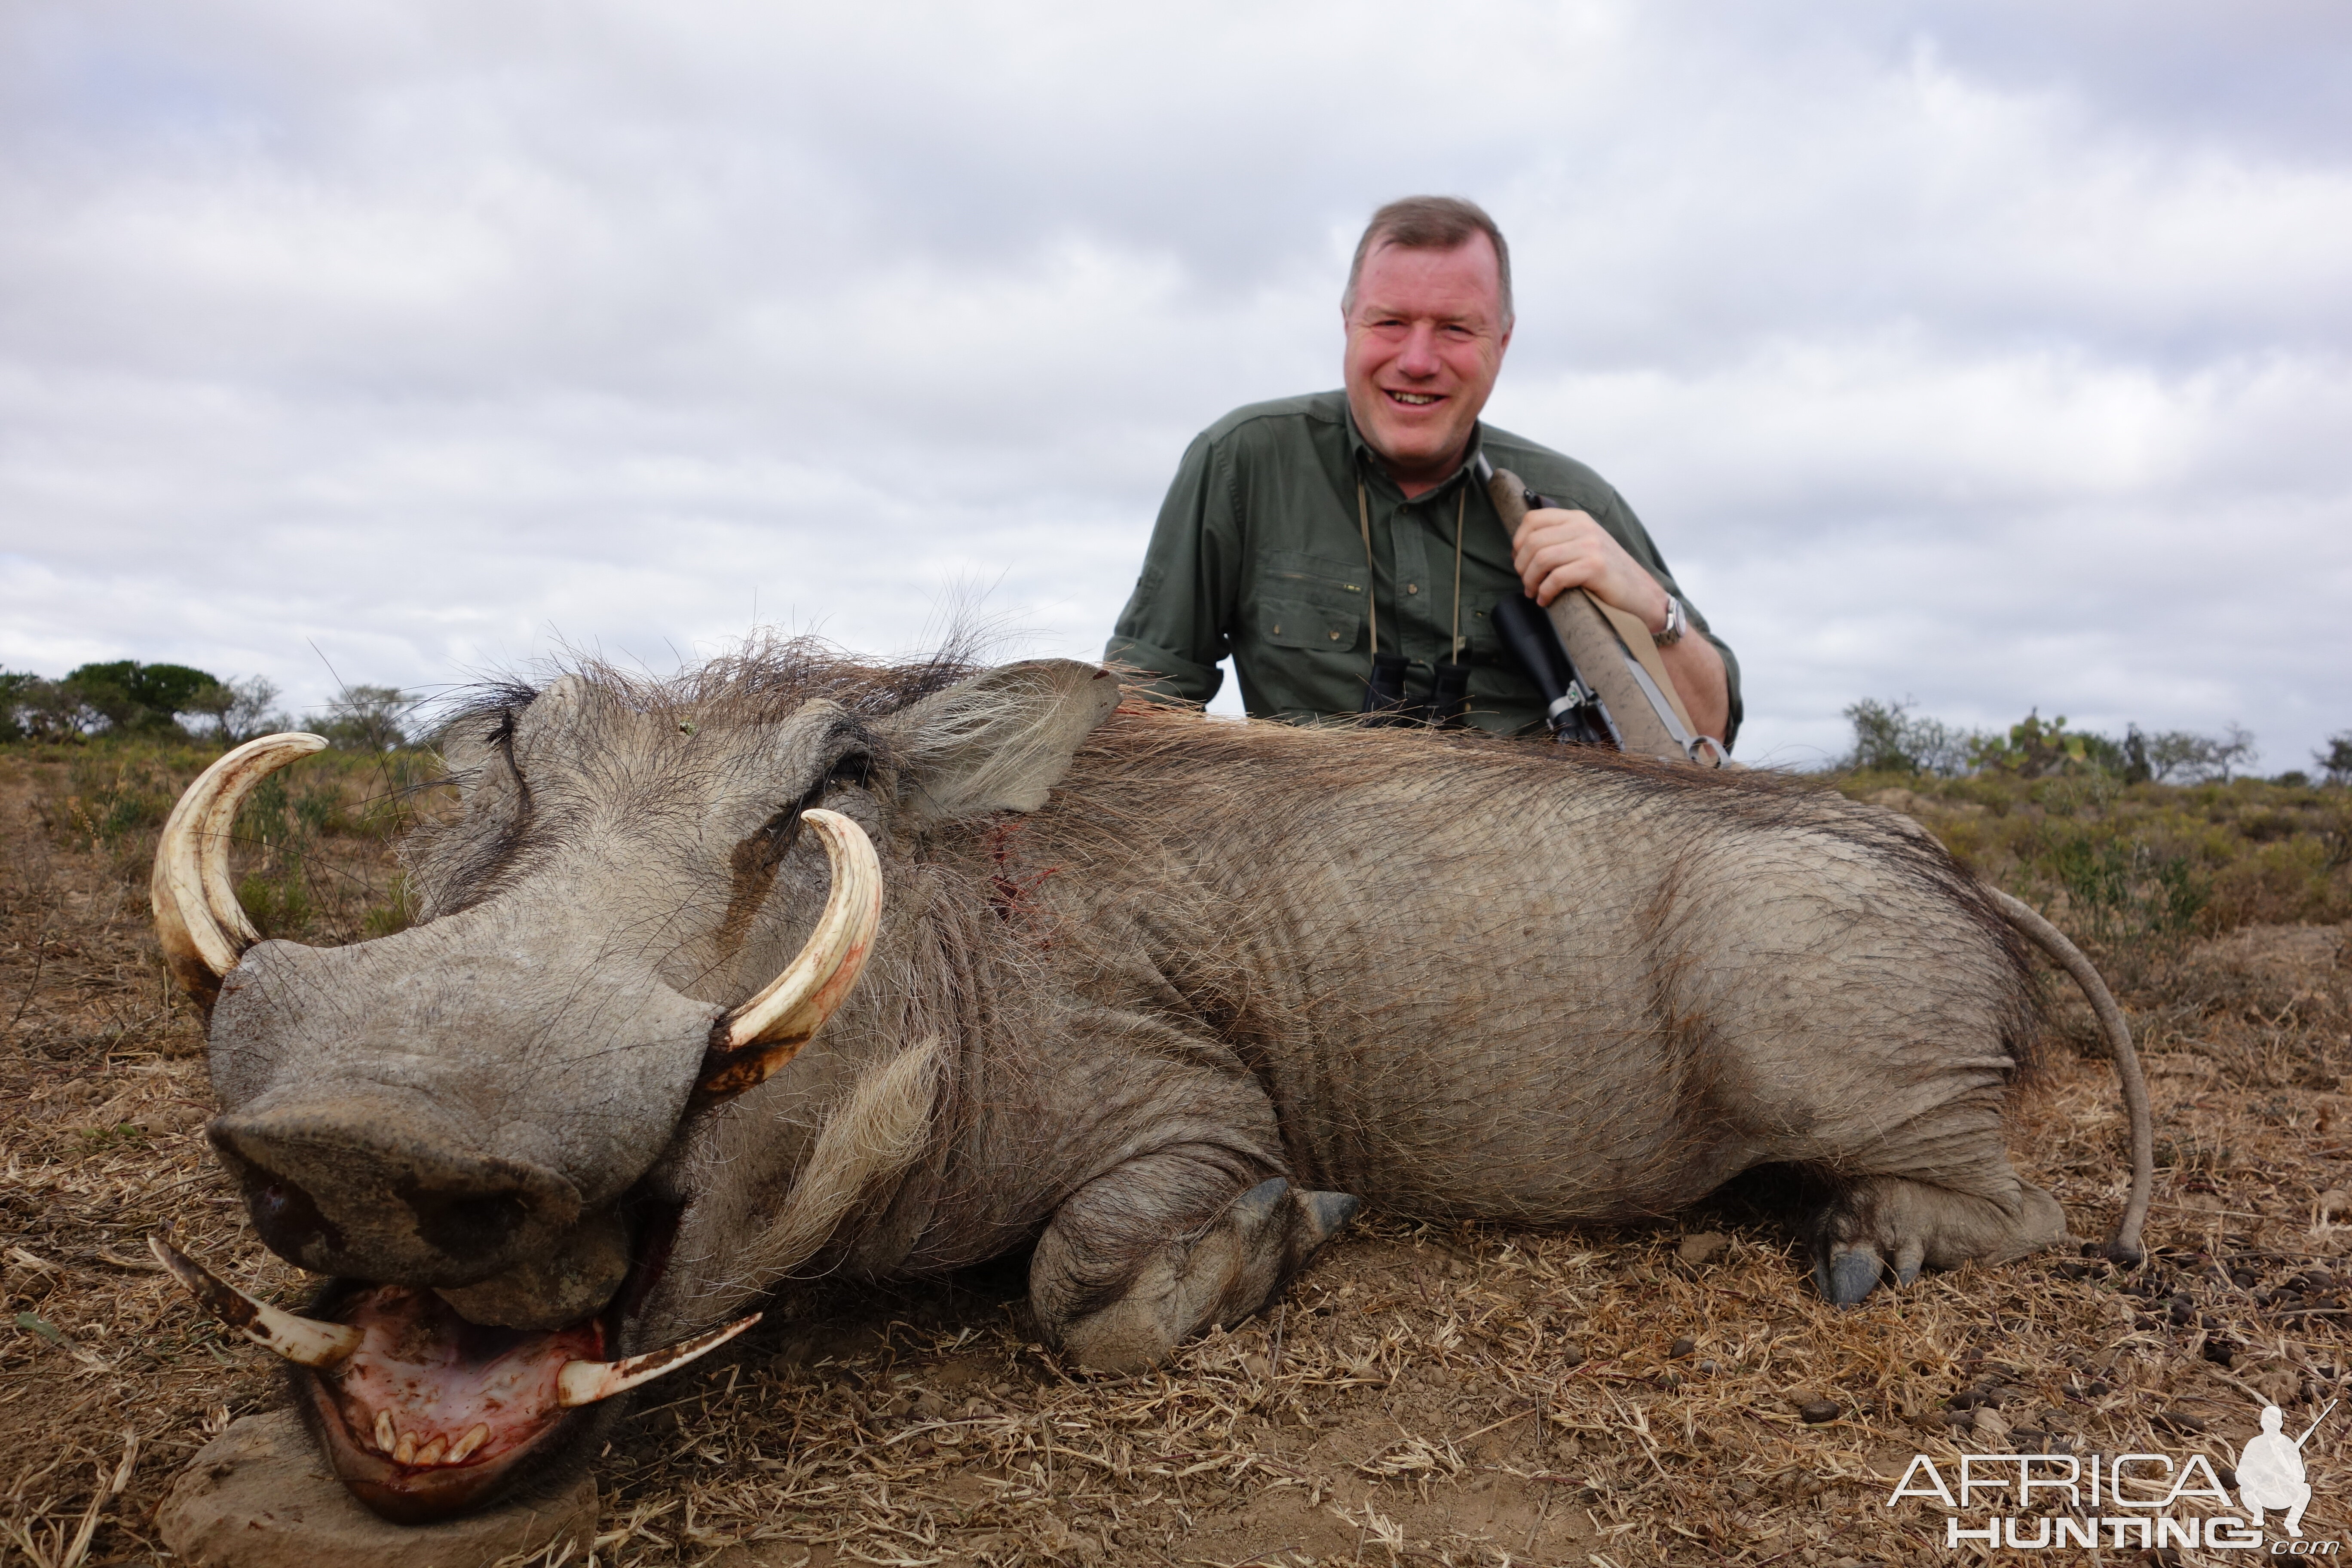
(1304, 537)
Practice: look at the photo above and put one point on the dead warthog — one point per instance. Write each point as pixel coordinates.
(1159, 998)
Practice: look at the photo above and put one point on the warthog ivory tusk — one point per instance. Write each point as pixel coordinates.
(203, 930)
(305, 1340)
(769, 1030)
(586, 1382)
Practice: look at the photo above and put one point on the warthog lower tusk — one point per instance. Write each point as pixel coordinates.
(763, 1034)
(305, 1340)
(586, 1382)
(203, 930)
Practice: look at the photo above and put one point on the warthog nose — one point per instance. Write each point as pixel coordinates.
(383, 1194)
(287, 1221)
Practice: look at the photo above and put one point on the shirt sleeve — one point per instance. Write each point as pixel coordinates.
(1177, 624)
(1618, 517)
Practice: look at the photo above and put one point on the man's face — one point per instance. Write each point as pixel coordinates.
(1426, 339)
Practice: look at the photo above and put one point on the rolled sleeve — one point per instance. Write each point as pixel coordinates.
(1618, 517)
(1177, 624)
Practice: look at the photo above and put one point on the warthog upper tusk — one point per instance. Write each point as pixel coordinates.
(305, 1340)
(767, 1031)
(586, 1382)
(203, 930)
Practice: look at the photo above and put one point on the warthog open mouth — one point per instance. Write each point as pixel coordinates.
(423, 1413)
(431, 1413)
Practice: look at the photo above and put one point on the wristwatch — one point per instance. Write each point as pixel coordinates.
(1677, 623)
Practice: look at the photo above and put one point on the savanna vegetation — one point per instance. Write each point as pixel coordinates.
(1665, 1392)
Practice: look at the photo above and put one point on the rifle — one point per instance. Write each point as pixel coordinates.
(1611, 665)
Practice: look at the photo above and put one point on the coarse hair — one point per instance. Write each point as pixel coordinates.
(1431, 222)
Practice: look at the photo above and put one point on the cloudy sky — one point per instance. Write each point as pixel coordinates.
(1995, 355)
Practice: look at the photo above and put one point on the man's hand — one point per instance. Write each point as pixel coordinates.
(1556, 550)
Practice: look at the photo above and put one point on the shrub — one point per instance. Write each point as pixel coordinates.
(371, 718)
(33, 709)
(1889, 738)
(2034, 747)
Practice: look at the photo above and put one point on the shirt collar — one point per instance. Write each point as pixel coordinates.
(1373, 467)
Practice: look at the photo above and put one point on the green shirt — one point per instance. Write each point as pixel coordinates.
(1258, 555)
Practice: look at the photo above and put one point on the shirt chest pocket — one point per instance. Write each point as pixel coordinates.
(1297, 623)
(1312, 579)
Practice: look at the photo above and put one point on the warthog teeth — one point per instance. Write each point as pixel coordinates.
(304, 1340)
(464, 1449)
(586, 1382)
(402, 1449)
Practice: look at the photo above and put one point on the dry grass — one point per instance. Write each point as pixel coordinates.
(1465, 1395)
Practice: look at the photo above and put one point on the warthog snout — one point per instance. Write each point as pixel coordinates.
(383, 1187)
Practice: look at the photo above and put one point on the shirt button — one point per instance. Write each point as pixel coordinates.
(1334, 636)
(1412, 587)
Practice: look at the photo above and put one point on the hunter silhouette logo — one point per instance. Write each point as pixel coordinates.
(2270, 1471)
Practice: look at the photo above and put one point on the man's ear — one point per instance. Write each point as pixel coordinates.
(1000, 741)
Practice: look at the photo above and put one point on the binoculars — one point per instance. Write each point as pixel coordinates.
(1385, 701)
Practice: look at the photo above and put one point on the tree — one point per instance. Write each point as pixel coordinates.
(2336, 762)
(240, 711)
(2235, 751)
(1887, 738)
(369, 718)
(134, 698)
(34, 709)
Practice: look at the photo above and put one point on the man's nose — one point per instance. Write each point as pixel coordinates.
(1419, 354)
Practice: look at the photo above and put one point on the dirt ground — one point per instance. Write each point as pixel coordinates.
(1660, 1394)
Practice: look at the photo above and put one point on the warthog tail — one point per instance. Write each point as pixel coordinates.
(2124, 1246)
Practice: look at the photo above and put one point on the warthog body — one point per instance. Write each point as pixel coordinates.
(1164, 1023)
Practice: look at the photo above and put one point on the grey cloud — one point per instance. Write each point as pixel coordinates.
(431, 332)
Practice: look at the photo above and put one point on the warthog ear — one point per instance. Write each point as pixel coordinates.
(471, 756)
(1000, 741)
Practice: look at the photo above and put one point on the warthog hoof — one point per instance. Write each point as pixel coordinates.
(1220, 1273)
(1885, 1222)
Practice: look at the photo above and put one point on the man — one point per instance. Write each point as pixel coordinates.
(1301, 537)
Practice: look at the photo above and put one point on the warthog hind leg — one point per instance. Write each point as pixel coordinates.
(1118, 1308)
(1888, 1223)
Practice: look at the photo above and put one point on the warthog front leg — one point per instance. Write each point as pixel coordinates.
(1883, 1222)
(1119, 1300)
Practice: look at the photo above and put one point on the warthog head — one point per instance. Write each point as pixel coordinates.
(473, 1127)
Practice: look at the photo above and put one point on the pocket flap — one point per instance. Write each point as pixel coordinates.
(1295, 622)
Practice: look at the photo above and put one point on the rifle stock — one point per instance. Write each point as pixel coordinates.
(1612, 651)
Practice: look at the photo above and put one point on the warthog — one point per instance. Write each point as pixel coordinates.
(1159, 998)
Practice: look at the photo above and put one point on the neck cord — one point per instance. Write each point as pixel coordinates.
(1461, 501)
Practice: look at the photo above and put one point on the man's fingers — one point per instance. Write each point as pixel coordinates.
(1550, 569)
(1550, 517)
(1553, 583)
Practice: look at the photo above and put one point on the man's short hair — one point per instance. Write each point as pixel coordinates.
(1430, 223)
